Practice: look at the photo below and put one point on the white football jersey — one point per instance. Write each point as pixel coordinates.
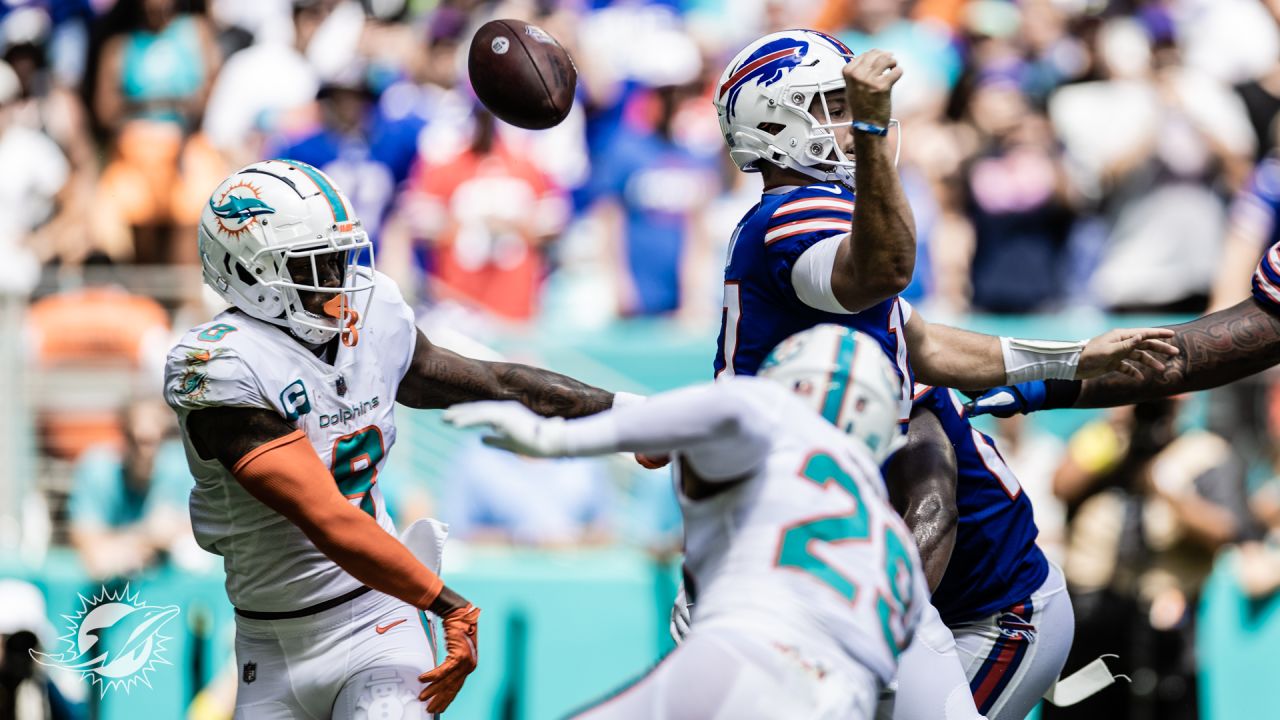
(347, 410)
(807, 550)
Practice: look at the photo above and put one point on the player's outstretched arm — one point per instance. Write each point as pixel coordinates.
(949, 357)
(724, 435)
(277, 465)
(1213, 350)
(876, 261)
(438, 378)
(922, 487)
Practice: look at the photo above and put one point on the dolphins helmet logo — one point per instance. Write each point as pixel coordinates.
(765, 66)
(238, 208)
(114, 641)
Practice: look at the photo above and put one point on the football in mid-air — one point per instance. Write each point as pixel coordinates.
(522, 74)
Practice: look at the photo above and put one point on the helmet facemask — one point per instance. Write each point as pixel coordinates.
(822, 157)
(325, 289)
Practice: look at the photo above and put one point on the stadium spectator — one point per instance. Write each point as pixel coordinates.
(365, 153)
(35, 175)
(1016, 198)
(44, 106)
(428, 90)
(1149, 509)
(925, 47)
(1258, 569)
(27, 690)
(1148, 142)
(484, 215)
(153, 79)
(1261, 96)
(265, 89)
(651, 191)
(128, 506)
(495, 496)
(104, 331)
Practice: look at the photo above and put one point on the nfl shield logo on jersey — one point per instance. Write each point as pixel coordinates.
(250, 672)
(342, 385)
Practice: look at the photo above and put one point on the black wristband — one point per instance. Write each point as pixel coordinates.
(446, 602)
(1061, 393)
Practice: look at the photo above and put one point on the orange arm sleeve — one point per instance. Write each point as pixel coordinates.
(288, 476)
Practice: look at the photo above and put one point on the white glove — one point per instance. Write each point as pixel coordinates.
(514, 427)
(681, 616)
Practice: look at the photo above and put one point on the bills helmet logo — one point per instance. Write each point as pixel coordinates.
(765, 66)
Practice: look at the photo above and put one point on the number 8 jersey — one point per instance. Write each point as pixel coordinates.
(346, 410)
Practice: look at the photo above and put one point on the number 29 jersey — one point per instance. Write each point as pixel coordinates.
(346, 410)
(806, 551)
(761, 308)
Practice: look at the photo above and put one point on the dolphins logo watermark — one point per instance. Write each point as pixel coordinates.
(114, 641)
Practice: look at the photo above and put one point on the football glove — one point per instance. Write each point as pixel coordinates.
(681, 615)
(461, 643)
(1009, 400)
(513, 427)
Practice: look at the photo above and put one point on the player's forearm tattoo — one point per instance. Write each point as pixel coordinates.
(443, 378)
(551, 394)
(1216, 349)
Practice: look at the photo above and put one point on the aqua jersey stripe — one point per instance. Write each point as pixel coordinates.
(330, 194)
(836, 386)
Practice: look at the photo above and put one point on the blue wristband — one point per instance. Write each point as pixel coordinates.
(868, 128)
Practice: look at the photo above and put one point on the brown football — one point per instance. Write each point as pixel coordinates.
(522, 74)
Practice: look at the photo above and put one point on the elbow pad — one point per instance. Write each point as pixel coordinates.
(811, 275)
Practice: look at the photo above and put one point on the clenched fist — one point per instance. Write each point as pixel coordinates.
(868, 80)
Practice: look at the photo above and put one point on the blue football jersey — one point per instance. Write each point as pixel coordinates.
(1258, 206)
(996, 562)
(761, 308)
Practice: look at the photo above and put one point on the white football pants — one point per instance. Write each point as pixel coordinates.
(1013, 656)
(931, 682)
(359, 660)
(723, 673)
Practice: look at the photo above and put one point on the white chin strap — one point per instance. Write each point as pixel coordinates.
(309, 333)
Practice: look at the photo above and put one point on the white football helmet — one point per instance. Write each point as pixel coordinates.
(271, 212)
(763, 104)
(846, 377)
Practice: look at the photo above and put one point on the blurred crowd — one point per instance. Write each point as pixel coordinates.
(1060, 155)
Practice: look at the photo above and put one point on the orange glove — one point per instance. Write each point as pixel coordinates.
(460, 641)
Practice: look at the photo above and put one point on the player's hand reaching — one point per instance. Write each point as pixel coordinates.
(1126, 351)
(513, 427)
(462, 644)
(868, 80)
